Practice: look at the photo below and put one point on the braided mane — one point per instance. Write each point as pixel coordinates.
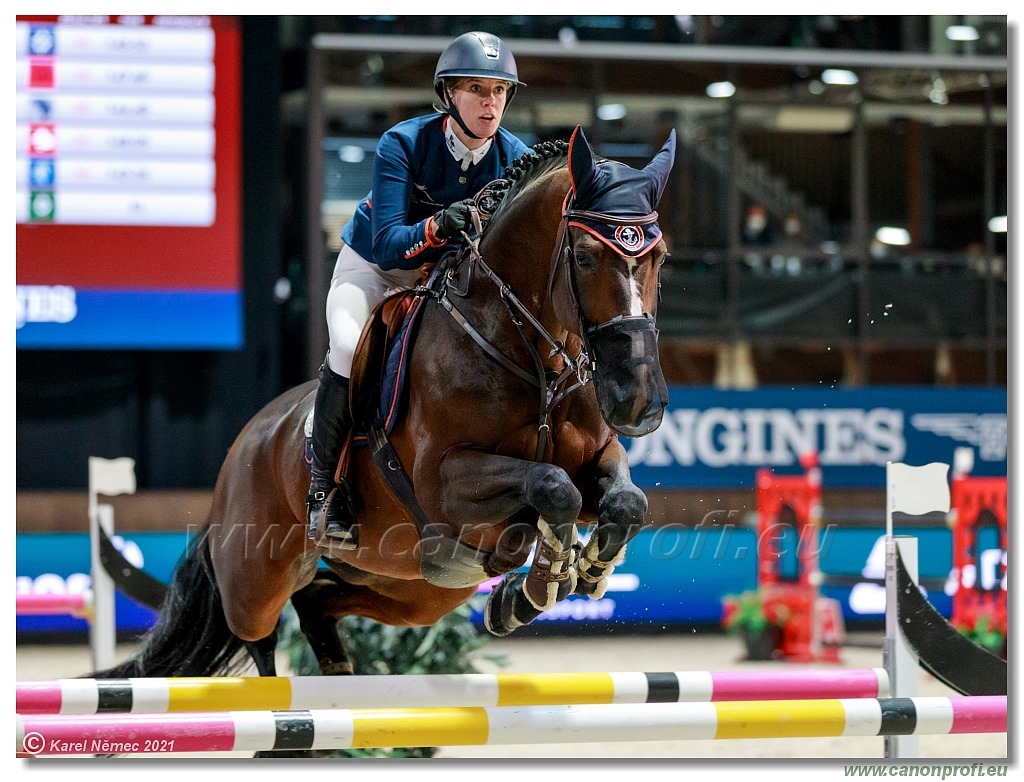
(544, 157)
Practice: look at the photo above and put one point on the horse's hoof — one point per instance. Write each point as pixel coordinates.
(494, 622)
(499, 614)
(337, 669)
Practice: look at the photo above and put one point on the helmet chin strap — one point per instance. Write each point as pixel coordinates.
(454, 114)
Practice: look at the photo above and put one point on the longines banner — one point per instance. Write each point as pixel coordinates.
(718, 439)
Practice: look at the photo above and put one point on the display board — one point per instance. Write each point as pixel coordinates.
(128, 193)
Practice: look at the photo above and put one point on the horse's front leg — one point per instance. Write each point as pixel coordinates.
(488, 486)
(622, 510)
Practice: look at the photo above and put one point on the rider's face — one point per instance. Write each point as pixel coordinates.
(481, 104)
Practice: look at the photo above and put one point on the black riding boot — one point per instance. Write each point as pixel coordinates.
(331, 424)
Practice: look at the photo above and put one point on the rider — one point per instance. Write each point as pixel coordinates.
(425, 172)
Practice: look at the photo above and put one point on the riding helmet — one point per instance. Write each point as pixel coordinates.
(481, 55)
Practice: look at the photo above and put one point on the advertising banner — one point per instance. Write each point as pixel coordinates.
(672, 576)
(718, 439)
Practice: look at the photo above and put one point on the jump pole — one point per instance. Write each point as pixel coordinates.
(168, 695)
(260, 731)
(79, 605)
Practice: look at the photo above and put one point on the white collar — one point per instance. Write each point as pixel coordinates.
(466, 156)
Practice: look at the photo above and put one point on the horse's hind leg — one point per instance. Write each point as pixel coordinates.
(622, 509)
(262, 653)
(320, 627)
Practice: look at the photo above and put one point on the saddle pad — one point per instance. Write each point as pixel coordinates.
(393, 383)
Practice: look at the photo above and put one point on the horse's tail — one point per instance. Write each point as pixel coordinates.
(191, 636)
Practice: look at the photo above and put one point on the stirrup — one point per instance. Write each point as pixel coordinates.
(315, 501)
(339, 527)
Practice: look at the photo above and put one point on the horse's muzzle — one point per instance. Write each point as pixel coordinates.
(630, 386)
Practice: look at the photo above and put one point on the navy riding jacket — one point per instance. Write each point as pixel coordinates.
(414, 177)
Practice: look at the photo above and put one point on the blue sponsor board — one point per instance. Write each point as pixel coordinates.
(712, 438)
(671, 575)
(678, 576)
(60, 316)
(59, 563)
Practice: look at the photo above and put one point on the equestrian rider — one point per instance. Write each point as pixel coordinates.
(425, 171)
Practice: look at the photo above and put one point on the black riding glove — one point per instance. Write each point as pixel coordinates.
(457, 217)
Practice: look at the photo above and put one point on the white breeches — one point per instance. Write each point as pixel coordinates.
(357, 286)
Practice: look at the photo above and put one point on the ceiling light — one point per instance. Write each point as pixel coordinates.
(350, 153)
(838, 76)
(899, 237)
(611, 111)
(721, 89)
(997, 225)
(962, 32)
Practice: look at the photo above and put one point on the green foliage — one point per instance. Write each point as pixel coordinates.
(375, 649)
(750, 612)
(987, 633)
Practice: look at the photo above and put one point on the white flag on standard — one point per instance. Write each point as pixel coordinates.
(917, 490)
(111, 476)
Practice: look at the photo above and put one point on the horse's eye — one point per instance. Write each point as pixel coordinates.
(584, 260)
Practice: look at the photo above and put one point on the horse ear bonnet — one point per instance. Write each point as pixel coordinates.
(615, 189)
(661, 166)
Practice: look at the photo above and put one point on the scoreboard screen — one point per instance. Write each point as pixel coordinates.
(128, 192)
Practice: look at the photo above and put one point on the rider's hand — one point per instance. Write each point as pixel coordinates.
(455, 218)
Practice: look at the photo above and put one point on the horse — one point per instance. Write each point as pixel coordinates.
(534, 348)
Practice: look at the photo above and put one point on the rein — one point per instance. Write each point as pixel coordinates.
(574, 368)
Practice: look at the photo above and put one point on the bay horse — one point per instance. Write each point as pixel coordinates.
(535, 347)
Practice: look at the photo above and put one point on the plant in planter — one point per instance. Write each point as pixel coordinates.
(988, 630)
(374, 648)
(758, 621)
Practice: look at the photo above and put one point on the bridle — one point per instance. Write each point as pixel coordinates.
(565, 255)
(577, 370)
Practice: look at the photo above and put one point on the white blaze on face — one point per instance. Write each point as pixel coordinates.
(636, 302)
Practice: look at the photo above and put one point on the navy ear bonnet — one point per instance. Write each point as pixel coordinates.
(614, 202)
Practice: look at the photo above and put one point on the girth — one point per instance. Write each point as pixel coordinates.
(444, 560)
